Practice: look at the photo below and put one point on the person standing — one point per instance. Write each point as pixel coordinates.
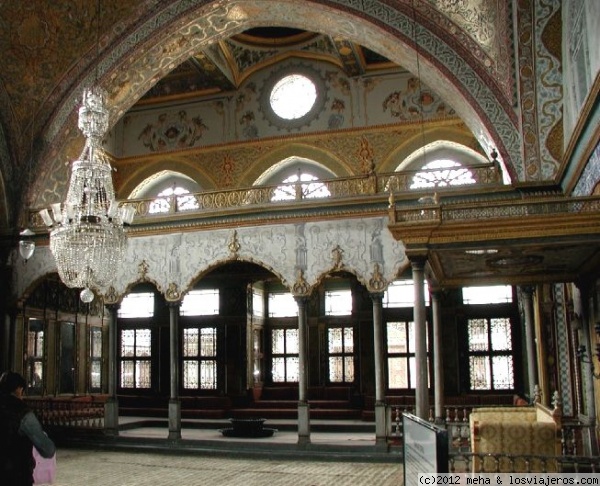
(20, 430)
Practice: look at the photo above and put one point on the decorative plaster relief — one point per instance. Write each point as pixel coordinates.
(174, 262)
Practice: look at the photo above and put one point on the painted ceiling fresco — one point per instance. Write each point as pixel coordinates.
(150, 51)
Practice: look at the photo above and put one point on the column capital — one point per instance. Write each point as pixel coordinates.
(113, 307)
(417, 261)
(376, 297)
(527, 289)
(173, 303)
(301, 299)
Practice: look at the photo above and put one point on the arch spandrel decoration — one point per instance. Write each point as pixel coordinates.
(134, 64)
(176, 260)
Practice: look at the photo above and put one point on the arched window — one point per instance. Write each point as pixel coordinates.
(165, 188)
(300, 186)
(442, 173)
(296, 178)
(185, 200)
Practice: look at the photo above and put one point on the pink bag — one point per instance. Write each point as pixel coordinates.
(45, 469)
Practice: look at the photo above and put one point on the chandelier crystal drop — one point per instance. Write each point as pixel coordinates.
(87, 237)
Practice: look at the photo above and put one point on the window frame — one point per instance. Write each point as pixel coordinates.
(199, 359)
(290, 69)
(407, 355)
(287, 356)
(95, 364)
(341, 354)
(135, 359)
(490, 311)
(36, 358)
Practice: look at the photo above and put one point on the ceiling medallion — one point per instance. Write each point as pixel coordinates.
(515, 261)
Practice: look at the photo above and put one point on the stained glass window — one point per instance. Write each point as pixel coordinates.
(492, 294)
(258, 303)
(340, 346)
(293, 96)
(35, 356)
(442, 173)
(139, 305)
(200, 358)
(300, 186)
(490, 354)
(202, 302)
(282, 304)
(338, 302)
(136, 352)
(284, 353)
(402, 369)
(95, 358)
(163, 201)
(401, 293)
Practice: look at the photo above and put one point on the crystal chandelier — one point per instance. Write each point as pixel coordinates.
(87, 237)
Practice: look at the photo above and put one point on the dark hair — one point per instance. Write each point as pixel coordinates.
(10, 381)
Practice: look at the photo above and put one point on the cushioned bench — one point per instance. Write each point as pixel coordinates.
(515, 431)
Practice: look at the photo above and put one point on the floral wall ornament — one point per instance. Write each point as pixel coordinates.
(172, 131)
(337, 254)
(234, 245)
(111, 296)
(300, 287)
(143, 268)
(173, 294)
(376, 282)
(366, 156)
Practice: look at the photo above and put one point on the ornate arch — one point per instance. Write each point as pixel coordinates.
(329, 161)
(133, 64)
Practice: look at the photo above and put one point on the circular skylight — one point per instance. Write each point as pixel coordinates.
(293, 96)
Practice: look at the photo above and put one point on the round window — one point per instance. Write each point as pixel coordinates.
(293, 96)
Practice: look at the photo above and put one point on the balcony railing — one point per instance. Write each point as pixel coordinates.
(265, 197)
(507, 209)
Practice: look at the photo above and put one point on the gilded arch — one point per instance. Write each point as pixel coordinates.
(132, 65)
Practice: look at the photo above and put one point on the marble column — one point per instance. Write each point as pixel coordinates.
(438, 362)
(111, 407)
(527, 293)
(421, 388)
(174, 401)
(303, 406)
(380, 405)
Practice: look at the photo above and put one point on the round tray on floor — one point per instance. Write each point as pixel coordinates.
(264, 432)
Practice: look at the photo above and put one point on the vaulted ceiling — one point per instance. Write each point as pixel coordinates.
(223, 66)
(156, 51)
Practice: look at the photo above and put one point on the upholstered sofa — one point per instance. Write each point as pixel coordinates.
(515, 431)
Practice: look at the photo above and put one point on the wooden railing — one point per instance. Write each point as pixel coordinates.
(268, 197)
(84, 412)
(578, 444)
(495, 463)
(528, 207)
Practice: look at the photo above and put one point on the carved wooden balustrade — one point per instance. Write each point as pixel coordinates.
(81, 412)
(577, 443)
(268, 197)
(495, 463)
